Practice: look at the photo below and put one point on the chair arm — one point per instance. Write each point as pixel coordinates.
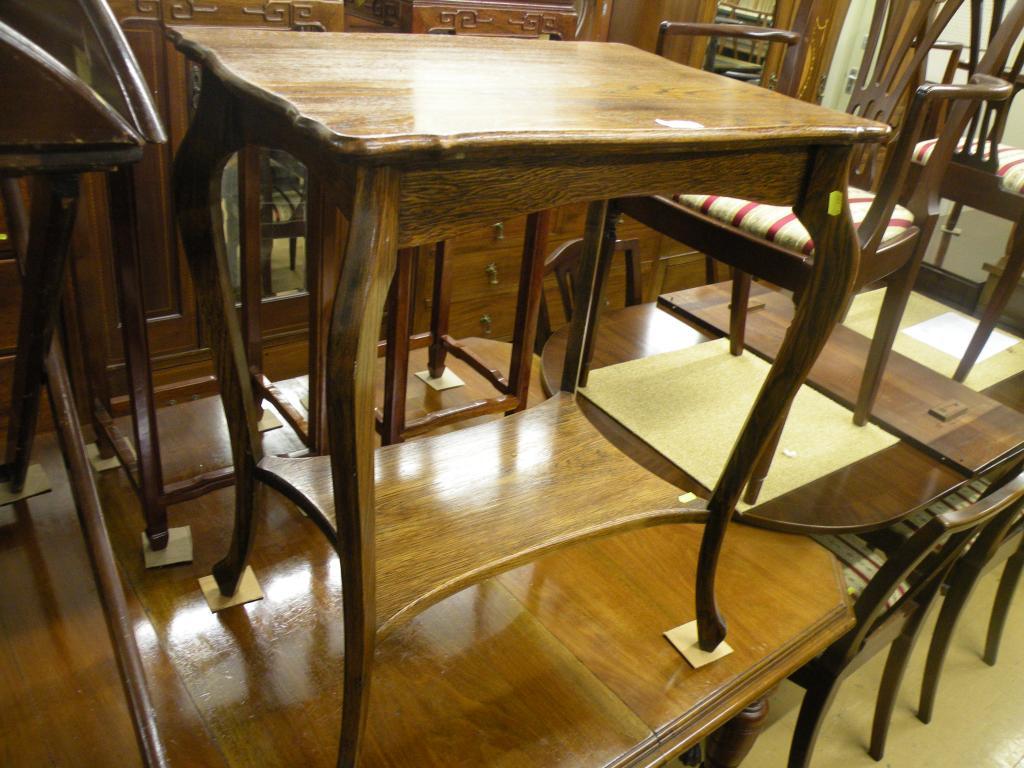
(1010, 494)
(743, 31)
(925, 197)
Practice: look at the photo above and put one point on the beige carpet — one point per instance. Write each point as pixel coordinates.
(864, 314)
(690, 405)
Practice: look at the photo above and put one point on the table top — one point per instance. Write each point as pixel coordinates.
(379, 95)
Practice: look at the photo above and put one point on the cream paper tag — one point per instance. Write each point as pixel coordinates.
(447, 380)
(248, 591)
(684, 638)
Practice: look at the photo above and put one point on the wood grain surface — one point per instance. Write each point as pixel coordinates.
(525, 93)
(440, 503)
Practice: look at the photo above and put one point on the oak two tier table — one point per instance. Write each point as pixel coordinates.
(447, 134)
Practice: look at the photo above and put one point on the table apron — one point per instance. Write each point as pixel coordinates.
(437, 203)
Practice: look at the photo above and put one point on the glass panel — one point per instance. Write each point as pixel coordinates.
(282, 223)
(734, 57)
(229, 209)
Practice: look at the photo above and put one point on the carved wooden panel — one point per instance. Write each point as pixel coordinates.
(555, 18)
(526, 19)
(286, 14)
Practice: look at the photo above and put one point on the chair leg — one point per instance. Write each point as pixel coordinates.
(531, 286)
(962, 582)
(895, 668)
(197, 170)
(1001, 607)
(598, 244)
(817, 699)
(1008, 281)
(738, 311)
(764, 464)
(439, 310)
(947, 233)
(709, 270)
(897, 293)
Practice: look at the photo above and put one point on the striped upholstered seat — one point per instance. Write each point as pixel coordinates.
(1011, 163)
(778, 224)
(861, 557)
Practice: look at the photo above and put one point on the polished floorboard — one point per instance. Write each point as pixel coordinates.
(62, 703)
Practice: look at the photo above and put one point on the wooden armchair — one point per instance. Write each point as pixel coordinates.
(788, 81)
(986, 175)
(893, 605)
(770, 242)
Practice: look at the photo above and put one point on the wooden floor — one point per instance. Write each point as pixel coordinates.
(63, 704)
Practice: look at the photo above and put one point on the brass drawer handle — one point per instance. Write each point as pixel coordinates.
(485, 321)
(492, 273)
(499, 230)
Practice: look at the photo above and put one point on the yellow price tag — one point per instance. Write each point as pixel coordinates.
(835, 203)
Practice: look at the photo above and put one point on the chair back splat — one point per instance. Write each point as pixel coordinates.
(898, 43)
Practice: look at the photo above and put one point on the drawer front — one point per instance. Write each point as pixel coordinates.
(491, 317)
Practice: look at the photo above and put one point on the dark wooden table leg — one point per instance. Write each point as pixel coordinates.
(440, 310)
(825, 212)
(52, 217)
(136, 354)
(729, 745)
(531, 277)
(213, 136)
